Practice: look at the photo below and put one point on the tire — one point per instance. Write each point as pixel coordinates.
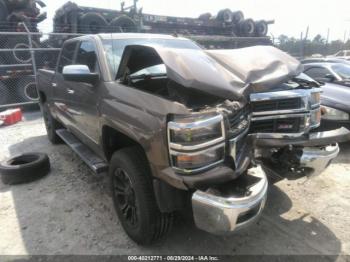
(51, 125)
(237, 17)
(26, 89)
(261, 28)
(4, 94)
(205, 17)
(122, 24)
(92, 23)
(225, 15)
(134, 199)
(247, 28)
(24, 168)
(18, 57)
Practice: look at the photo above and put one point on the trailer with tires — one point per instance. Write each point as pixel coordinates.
(229, 29)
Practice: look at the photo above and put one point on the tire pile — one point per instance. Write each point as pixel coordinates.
(71, 18)
(241, 27)
(13, 14)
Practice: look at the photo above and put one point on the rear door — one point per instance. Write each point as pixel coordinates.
(62, 88)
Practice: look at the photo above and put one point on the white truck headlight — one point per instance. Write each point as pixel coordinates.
(330, 113)
(196, 142)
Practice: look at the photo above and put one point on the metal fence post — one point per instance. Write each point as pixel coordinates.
(32, 53)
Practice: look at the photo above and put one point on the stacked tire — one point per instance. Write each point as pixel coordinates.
(242, 27)
(94, 23)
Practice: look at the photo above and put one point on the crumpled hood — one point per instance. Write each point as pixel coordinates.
(229, 74)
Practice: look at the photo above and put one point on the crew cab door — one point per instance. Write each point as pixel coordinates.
(61, 88)
(84, 97)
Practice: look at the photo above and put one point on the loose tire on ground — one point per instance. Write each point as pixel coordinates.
(131, 183)
(51, 125)
(4, 94)
(92, 23)
(122, 24)
(24, 168)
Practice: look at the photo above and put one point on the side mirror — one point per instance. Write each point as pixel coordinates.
(79, 73)
(330, 77)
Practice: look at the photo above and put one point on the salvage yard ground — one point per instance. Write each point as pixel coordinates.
(70, 211)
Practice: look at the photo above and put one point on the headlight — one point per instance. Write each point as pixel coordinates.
(315, 118)
(197, 160)
(188, 131)
(196, 142)
(315, 99)
(330, 113)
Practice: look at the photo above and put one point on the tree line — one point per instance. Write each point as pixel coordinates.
(307, 47)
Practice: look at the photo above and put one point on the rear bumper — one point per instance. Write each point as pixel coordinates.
(222, 210)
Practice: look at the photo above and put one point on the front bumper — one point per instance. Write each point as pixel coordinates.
(310, 140)
(222, 210)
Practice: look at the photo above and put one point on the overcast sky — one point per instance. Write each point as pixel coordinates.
(291, 16)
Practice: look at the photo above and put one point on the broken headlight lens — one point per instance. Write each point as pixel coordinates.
(196, 142)
(330, 113)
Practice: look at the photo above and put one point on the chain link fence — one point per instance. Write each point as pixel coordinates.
(22, 54)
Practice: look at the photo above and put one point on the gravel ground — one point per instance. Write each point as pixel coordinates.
(70, 211)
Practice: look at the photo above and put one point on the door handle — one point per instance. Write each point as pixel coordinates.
(70, 91)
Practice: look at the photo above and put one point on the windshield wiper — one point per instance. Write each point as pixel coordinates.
(306, 83)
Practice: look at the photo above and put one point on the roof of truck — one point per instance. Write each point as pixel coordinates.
(137, 35)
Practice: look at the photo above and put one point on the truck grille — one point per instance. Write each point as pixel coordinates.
(282, 125)
(281, 104)
(238, 122)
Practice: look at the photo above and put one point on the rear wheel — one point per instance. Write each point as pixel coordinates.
(51, 125)
(134, 198)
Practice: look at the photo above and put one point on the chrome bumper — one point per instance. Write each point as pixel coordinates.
(315, 160)
(223, 211)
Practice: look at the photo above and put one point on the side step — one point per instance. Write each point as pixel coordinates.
(97, 164)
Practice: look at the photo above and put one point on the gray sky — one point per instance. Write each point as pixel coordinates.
(291, 16)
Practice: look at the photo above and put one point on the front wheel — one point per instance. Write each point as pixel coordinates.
(134, 199)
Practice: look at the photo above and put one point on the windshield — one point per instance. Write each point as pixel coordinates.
(342, 70)
(114, 48)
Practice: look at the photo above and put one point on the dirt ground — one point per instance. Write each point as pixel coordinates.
(70, 211)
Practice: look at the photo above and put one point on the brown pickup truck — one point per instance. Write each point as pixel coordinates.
(177, 126)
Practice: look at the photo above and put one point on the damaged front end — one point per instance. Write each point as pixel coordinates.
(281, 131)
(252, 112)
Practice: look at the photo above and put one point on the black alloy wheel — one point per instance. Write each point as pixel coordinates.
(125, 196)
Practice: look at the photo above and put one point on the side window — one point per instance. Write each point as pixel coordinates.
(87, 56)
(67, 55)
(317, 72)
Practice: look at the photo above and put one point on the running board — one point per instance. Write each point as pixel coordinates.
(97, 164)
